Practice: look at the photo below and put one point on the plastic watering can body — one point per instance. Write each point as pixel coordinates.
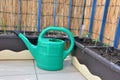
(49, 53)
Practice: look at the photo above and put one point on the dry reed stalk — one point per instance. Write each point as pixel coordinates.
(77, 11)
(99, 12)
(118, 3)
(87, 18)
(60, 21)
(78, 2)
(65, 21)
(113, 2)
(60, 14)
(116, 14)
(51, 20)
(98, 19)
(64, 1)
(10, 17)
(34, 16)
(7, 14)
(88, 9)
(43, 21)
(1, 14)
(113, 31)
(47, 14)
(65, 14)
(89, 2)
(13, 15)
(75, 32)
(101, 2)
(29, 15)
(51, 17)
(107, 32)
(32, 11)
(108, 15)
(47, 1)
(76, 14)
(4, 18)
(23, 16)
(48, 21)
(112, 15)
(65, 9)
(95, 29)
(86, 25)
(75, 26)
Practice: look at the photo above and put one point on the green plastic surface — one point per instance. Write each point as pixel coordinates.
(49, 53)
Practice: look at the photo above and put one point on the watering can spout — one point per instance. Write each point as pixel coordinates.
(28, 44)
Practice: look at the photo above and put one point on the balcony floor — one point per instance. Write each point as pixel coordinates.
(27, 70)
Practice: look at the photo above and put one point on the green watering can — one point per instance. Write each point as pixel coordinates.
(49, 53)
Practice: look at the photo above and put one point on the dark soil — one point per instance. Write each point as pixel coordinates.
(109, 53)
(11, 33)
(88, 42)
(9, 40)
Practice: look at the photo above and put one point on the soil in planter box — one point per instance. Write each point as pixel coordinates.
(88, 42)
(109, 53)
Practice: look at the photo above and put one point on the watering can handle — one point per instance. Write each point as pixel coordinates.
(66, 52)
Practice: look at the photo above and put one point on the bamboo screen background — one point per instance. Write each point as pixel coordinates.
(87, 15)
(98, 18)
(112, 21)
(9, 14)
(29, 16)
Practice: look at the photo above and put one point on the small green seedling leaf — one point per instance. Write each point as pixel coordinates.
(106, 45)
(85, 35)
(16, 27)
(96, 41)
(93, 40)
(3, 26)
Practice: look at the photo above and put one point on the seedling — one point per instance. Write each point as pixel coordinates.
(84, 36)
(107, 45)
(96, 41)
(16, 27)
(24, 30)
(3, 26)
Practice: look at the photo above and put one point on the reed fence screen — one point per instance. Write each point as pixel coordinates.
(35, 15)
